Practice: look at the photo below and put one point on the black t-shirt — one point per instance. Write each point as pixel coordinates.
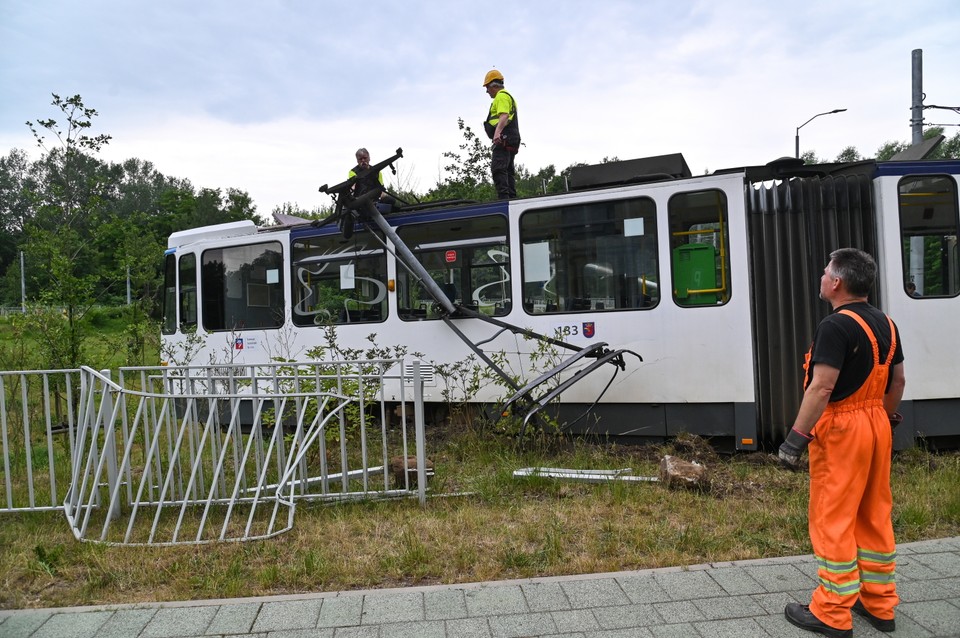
(840, 342)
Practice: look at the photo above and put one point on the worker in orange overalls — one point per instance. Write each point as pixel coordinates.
(853, 384)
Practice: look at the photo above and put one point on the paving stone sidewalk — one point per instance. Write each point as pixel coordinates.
(743, 599)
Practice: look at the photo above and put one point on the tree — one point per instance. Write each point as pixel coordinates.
(539, 183)
(948, 149)
(849, 154)
(468, 171)
(70, 191)
(15, 186)
(889, 149)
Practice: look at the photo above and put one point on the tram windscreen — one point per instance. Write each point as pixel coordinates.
(242, 287)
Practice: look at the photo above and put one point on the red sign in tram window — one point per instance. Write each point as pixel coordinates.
(451, 256)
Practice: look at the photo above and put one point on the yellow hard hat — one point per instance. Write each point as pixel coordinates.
(492, 75)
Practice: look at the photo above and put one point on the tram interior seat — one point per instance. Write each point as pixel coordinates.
(358, 315)
(488, 308)
(420, 312)
(578, 304)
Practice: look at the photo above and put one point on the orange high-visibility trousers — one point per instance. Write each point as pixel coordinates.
(850, 500)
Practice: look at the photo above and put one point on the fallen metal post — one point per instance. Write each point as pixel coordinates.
(583, 476)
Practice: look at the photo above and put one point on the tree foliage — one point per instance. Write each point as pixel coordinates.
(468, 175)
(67, 203)
(85, 225)
(467, 171)
(948, 149)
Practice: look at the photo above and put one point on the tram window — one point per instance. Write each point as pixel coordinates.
(598, 257)
(242, 287)
(169, 295)
(469, 259)
(928, 233)
(699, 248)
(339, 281)
(188, 291)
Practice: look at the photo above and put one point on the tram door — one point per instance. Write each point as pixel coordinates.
(922, 275)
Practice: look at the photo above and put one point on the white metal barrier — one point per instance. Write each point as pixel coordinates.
(37, 432)
(200, 454)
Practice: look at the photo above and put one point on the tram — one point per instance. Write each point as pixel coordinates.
(712, 280)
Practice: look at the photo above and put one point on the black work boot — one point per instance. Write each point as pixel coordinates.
(880, 624)
(802, 617)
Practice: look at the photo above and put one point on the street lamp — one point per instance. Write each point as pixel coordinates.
(807, 122)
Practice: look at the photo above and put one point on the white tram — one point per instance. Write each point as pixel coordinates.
(711, 279)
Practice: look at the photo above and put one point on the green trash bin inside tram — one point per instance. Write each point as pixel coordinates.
(695, 268)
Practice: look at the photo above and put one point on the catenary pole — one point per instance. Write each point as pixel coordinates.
(916, 114)
(916, 126)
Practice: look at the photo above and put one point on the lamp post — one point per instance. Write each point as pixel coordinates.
(807, 122)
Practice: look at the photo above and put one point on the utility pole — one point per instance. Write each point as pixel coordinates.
(23, 286)
(916, 124)
(916, 112)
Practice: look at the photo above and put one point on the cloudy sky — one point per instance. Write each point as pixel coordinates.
(274, 96)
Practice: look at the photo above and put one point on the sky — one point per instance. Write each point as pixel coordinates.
(274, 96)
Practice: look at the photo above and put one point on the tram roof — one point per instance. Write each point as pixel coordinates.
(596, 177)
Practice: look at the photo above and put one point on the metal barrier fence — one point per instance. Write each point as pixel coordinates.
(38, 411)
(197, 454)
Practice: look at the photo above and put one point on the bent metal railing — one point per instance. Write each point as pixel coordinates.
(199, 454)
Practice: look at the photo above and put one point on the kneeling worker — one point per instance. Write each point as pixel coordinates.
(369, 182)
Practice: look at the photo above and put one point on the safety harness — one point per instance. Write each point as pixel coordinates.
(511, 132)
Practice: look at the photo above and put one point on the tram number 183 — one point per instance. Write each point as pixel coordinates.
(583, 329)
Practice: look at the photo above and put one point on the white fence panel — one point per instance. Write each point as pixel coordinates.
(198, 454)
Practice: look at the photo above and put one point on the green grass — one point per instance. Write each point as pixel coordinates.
(502, 528)
(107, 342)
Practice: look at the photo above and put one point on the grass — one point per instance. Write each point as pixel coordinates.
(499, 528)
(106, 344)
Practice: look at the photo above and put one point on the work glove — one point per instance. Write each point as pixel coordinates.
(895, 419)
(792, 449)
